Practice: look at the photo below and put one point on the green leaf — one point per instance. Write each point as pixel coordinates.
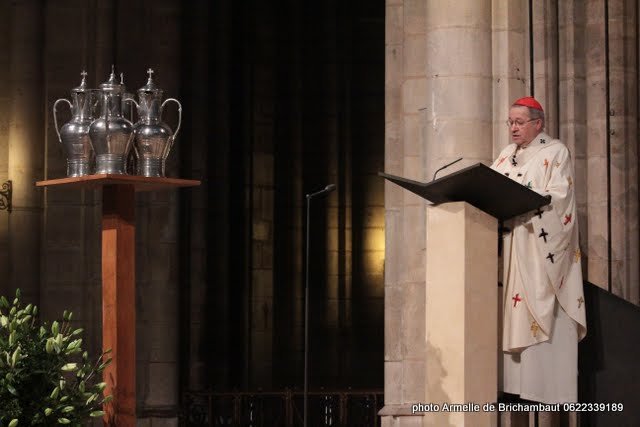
(65, 314)
(4, 321)
(11, 389)
(48, 412)
(63, 421)
(91, 398)
(28, 308)
(4, 302)
(101, 386)
(13, 423)
(67, 409)
(18, 293)
(15, 357)
(74, 344)
(55, 393)
(96, 414)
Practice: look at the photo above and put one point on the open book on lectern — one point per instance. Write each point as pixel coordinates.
(480, 186)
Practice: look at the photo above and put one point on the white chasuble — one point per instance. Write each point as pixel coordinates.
(542, 276)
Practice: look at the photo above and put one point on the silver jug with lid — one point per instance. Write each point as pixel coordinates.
(74, 135)
(153, 138)
(111, 134)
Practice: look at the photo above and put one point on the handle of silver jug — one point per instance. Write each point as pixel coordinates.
(127, 99)
(175, 133)
(55, 114)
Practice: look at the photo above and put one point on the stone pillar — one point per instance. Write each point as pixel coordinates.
(510, 64)
(597, 233)
(26, 146)
(573, 105)
(261, 152)
(623, 80)
(405, 95)
(438, 108)
(458, 87)
(203, 222)
(545, 61)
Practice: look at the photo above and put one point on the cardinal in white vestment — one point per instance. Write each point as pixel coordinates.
(544, 310)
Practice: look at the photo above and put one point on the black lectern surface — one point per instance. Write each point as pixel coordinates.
(480, 186)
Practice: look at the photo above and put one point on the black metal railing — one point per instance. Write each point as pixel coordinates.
(283, 408)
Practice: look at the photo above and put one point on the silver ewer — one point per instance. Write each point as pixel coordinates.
(153, 138)
(111, 134)
(74, 135)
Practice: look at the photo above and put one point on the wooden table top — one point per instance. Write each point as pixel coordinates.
(141, 183)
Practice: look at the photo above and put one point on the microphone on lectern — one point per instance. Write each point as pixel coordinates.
(444, 167)
(329, 188)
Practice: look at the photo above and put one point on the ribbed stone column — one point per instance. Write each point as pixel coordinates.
(510, 69)
(597, 234)
(573, 104)
(405, 96)
(623, 48)
(545, 61)
(26, 146)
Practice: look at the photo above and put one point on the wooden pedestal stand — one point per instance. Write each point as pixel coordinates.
(119, 279)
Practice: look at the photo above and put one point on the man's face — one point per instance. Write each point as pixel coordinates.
(523, 129)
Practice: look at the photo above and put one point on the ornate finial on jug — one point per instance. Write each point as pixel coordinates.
(151, 85)
(112, 77)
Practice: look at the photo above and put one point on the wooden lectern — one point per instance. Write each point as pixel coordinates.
(119, 279)
(461, 307)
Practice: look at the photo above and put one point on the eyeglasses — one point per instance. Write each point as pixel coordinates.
(518, 123)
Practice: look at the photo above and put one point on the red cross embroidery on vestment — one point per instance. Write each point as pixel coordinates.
(516, 299)
(567, 219)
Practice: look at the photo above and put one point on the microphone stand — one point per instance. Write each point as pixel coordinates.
(305, 392)
(444, 167)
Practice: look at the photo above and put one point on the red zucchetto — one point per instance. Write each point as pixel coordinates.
(529, 101)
